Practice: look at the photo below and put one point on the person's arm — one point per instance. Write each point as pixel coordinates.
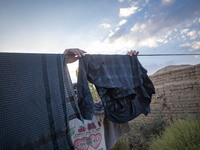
(73, 54)
(131, 52)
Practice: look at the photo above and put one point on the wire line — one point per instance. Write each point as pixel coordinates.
(166, 54)
(147, 54)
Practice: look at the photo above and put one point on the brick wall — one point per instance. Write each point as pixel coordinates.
(177, 93)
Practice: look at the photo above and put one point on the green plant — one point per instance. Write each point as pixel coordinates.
(158, 123)
(122, 144)
(94, 92)
(92, 88)
(183, 134)
(141, 134)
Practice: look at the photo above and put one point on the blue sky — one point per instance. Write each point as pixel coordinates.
(103, 27)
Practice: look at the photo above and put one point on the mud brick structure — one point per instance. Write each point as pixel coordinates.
(177, 93)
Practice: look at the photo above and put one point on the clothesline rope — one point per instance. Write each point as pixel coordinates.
(167, 54)
(149, 54)
(121, 54)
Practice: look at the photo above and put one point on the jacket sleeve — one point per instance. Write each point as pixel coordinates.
(146, 83)
(85, 100)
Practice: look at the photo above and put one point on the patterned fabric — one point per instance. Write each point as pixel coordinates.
(122, 84)
(37, 102)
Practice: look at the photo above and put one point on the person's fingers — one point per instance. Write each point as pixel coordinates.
(135, 52)
(77, 52)
(132, 52)
(80, 52)
(67, 51)
(129, 53)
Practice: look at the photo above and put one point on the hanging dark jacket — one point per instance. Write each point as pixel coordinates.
(122, 83)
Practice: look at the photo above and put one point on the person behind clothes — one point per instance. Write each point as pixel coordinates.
(112, 130)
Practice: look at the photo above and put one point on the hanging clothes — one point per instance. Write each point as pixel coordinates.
(37, 102)
(112, 131)
(122, 83)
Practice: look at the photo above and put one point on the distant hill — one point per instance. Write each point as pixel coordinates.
(171, 68)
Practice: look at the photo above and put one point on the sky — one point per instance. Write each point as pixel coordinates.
(104, 27)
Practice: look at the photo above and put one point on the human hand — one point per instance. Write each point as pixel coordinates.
(131, 53)
(73, 54)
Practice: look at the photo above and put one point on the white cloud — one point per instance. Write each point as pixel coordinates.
(186, 45)
(117, 29)
(195, 20)
(153, 31)
(142, 34)
(105, 25)
(119, 46)
(184, 31)
(120, 1)
(169, 33)
(145, 3)
(162, 41)
(138, 27)
(167, 2)
(146, 15)
(183, 37)
(150, 42)
(165, 42)
(111, 34)
(192, 34)
(196, 45)
(135, 28)
(122, 22)
(125, 12)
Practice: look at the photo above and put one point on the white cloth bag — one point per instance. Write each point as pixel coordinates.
(88, 135)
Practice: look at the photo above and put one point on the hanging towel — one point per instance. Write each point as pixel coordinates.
(122, 83)
(36, 102)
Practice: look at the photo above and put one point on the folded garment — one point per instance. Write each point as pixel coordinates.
(98, 107)
(112, 131)
(37, 101)
(122, 83)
